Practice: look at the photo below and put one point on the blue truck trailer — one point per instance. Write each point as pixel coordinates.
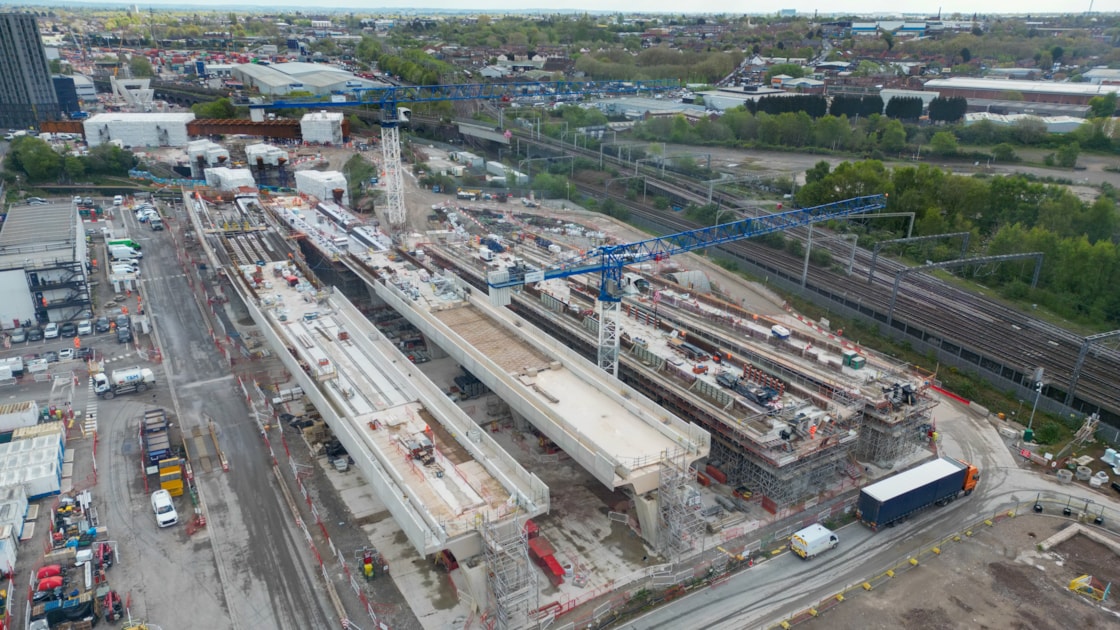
(886, 502)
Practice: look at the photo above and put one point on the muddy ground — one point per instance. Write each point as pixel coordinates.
(997, 579)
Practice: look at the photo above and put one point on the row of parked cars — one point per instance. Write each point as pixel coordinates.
(54, 330)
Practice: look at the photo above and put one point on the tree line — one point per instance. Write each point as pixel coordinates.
(38, 162)
(1010, 214)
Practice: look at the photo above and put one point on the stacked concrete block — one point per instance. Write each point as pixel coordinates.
(138, 130)
(323, 127)
(324, 185)
(266, 154)
(225, 178)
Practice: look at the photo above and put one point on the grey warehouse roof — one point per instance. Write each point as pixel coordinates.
(33, 234)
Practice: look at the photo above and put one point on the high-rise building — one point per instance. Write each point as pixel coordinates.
(27, 94)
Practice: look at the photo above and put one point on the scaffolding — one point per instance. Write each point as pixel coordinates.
(789, 479)
(892, 430)
(680, 527)
(511, 579)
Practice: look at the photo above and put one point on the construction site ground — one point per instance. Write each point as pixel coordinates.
(995, 579)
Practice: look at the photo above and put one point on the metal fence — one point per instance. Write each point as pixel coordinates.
(1075, 509)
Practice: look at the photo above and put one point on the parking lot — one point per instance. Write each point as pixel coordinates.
(244, 565)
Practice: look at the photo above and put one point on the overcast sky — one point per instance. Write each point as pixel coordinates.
(803, 7)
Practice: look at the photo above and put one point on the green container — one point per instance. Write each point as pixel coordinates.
(1028, 435)
(857, 362)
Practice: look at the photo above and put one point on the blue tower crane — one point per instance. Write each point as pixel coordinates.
(609, 260)
(389, 99)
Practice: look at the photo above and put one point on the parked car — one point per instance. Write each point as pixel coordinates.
(84, 354)
(68, 330)
(19, 335)
(124, 321)
(65, 354)
(51, 356)
(50, 331)
(101, 325)
(37, 201)
(164, 508)
(85, 327)
(34, 334)
(124, 335)
(88, 201)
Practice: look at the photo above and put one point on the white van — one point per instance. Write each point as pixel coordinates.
(813, 540)
(118, 200)
(123, 252)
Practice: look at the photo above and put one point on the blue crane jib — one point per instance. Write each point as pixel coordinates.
(609, 260)
(391, 96)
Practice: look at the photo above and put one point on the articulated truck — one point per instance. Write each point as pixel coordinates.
(886, 502)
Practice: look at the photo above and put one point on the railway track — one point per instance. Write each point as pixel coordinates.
(974, 329)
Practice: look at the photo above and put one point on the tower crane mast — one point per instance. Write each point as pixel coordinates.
(609, 260)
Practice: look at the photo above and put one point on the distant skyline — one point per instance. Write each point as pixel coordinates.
(856, 7)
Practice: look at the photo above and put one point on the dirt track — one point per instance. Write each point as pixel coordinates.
(997, 579)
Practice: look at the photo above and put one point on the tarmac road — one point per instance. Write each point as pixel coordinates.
(763, 594)
(259, 557)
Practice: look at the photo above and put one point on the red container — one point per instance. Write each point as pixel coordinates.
(716, 474)
(702, 479)
(47, 584)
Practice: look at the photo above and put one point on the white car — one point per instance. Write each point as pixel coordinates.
(164, 508)
(85, 327)
(65, 354)
(50, 331)
(118, 200)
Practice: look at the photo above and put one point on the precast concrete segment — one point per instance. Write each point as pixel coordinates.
(610, 429)
(378, 417)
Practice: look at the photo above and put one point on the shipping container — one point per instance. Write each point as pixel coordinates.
(884, 503)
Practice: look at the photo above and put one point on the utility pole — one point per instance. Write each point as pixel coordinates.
(1037, 395)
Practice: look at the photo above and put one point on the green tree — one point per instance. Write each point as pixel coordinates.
(819, 171)
(888, 39)
(893, 137)
(1103, 106)
(1067, 155)
(791, 69)
(35, 159)
(966, 55)
(1004, 152)
(221, 109)
(74, 167)
(140, 66)
(943, 143)
(1029, 130)
(108, 159)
